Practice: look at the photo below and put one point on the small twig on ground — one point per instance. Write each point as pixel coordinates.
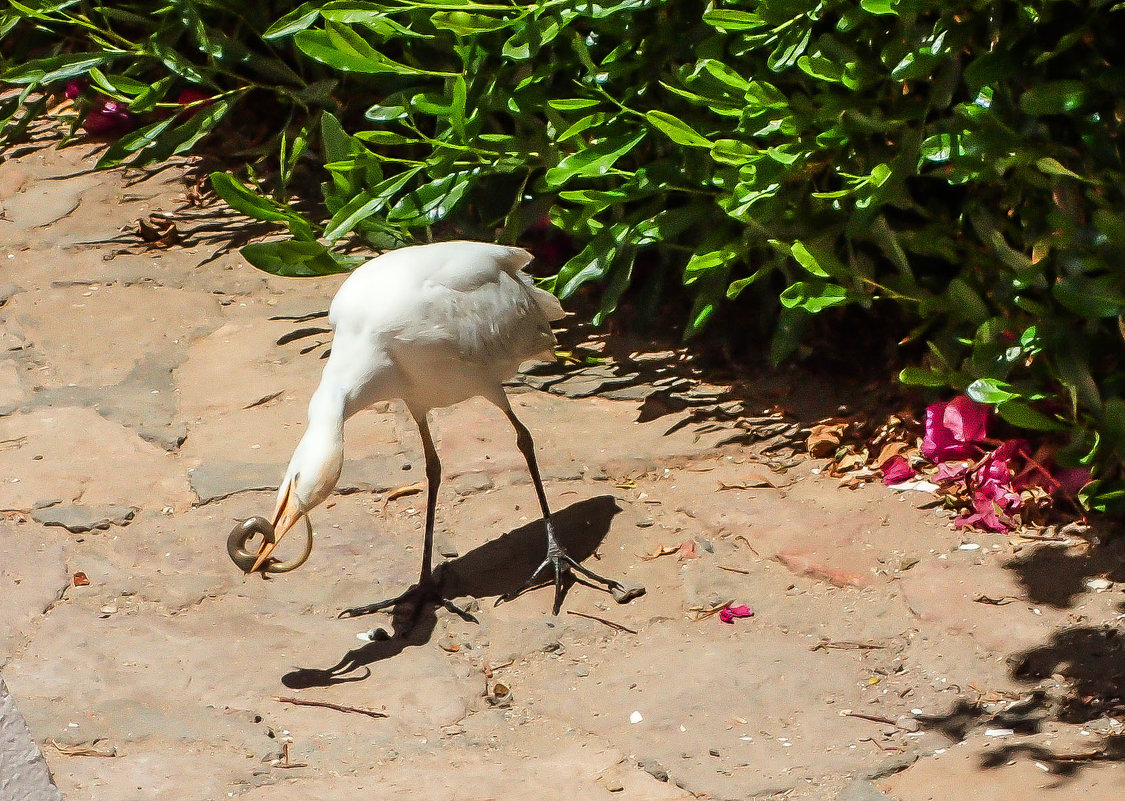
(609, 623)
(703, 614)
(877, 744)
(82, 750)
(327, 705)
(865, 716)
(748, 545)
(1003, 600)
(846, 645)
(285, 763)
(733, 569)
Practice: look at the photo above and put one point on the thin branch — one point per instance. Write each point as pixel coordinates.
(327, 705)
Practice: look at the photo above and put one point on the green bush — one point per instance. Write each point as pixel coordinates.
(961, 164)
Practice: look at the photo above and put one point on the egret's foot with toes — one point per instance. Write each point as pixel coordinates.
(413, 601)
(563, 562)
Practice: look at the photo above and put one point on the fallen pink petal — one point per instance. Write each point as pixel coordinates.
(952, 428)
(897, 469)
(731, 612)
(950, 471)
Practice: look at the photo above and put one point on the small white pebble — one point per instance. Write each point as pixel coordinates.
(636, 717)
(998, 732)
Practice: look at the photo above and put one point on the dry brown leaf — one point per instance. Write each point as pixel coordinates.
(686, 551)
(663, 550)
(755, 479)
(825, 438)
(262, 401)
(80, 579)
(889, 451)
(409, 489)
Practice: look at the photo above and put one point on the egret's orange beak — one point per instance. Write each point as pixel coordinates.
(285, 516)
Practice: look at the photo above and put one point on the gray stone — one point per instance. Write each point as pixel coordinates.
(471, 483)
(213, 481)
(861, 790)
(891, 766)
(653, 769)
(24, 775)
(6, 292)
(77, 518)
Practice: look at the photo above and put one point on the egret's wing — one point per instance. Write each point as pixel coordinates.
(496, 322)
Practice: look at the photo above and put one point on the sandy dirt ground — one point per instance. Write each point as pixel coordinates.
(146, 405)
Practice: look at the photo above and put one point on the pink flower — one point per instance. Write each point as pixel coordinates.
(74, 88)
(950, 471)
(897, 469)
(109, 118)
(952, 428)
(731, 612)
(994, 497)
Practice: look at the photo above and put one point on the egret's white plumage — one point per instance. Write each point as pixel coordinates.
(433, 325)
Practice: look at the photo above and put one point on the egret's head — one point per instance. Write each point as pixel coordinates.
(311, 477)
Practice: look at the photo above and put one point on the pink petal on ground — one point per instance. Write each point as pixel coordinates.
(731, 612)
(952, 428)
(897, 469)
(950, 471)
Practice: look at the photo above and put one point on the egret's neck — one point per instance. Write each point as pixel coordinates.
(326, 412)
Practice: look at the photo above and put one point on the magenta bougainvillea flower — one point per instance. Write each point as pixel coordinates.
(952, 428)
(731, 612)
(897, 469)
(994, 498)
(109, 118)
(74, 88)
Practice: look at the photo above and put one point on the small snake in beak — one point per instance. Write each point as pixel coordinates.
(247, 529)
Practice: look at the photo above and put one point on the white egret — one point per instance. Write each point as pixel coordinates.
(433, 325)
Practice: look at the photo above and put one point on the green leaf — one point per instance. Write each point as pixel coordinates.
(1091, 297)
(879, 6)
(592, 162)
(991, 391)
(922, 377)
(300, 18)
(1020, 414)
(735, 288)
(790, 48)
(677, 130)
(241, 199)
(573, 103)
(731, 20)
(814, 296)
(703, 263)
(965, 302)
(431, 202)
(1054, 97)
(1105, 496)
(293, 259)
(56, 68)
(1051, 166)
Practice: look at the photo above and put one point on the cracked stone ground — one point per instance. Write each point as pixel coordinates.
(146, 405)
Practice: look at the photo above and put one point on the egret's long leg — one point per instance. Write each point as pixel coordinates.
(427, 589)
(556, 556)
